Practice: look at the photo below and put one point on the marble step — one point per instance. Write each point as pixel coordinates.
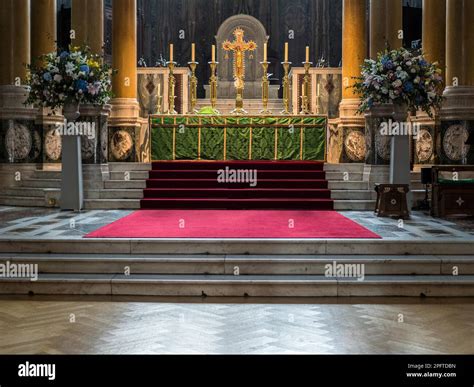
(114, 194)
(123, 167)
(254, 246)
(41, 183)
(353, 195)
(112, 204)
(344, 167)
(354, 205)
(340, 176)
(24, 191)
(242, 285)
(245, 264)
(348, 185)
(129, 175)
(125, 184)
(22, 201)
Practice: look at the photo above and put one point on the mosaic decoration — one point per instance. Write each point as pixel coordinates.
(121, 145)
(424, 146)
(355, 145)
(18, 141)
(53, 145)
(454, 142)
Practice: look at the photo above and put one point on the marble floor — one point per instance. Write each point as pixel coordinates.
(112, 326)
(42, 223)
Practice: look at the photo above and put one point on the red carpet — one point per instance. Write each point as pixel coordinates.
(233, 224)
(278, 185)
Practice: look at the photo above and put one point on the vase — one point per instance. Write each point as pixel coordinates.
(71, 110)
(72, 193)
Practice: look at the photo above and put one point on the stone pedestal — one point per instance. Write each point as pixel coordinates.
(378, 145)
(72, 196)
(351, 137)
(425, 145)
(125, 142)
(457, 123)
(94, 146)
(20, 139)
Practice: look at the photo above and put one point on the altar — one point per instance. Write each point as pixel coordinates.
(201, 137)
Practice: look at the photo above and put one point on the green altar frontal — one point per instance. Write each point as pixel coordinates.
(199, 137)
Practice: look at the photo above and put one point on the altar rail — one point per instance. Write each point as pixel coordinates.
(198, 137)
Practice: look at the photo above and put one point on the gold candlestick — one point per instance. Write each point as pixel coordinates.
(213, 84)
(305, 102)
(265, 85)
(193, 86)
(171, 88)
(286, 88)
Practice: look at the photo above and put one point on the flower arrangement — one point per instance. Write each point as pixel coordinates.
(75, 75)
(400, 77)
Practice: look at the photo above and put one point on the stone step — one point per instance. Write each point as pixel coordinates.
(124, 167)
(124, 184)
(129, 175)
(348, 185)
(112, 204)
(24, 191)
(242, 285)
(114, 194)
(40, 183)
(46, 174)
(354, 205)
(341, 176)
(22, 201)
(353, 195)
(344, 167)
(245, 264)
(252, 246)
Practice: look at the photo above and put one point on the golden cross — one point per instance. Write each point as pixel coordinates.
(238, 47)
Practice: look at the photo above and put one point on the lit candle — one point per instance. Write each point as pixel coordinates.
(286, 52)
(171, 53)
(307, 53)
(213, 53)
(264, 52)
(193, 52)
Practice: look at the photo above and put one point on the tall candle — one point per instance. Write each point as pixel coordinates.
(171, 52)
(286, 52)
(264, 52)
(307, 53)
(213, 53)
(193, 52)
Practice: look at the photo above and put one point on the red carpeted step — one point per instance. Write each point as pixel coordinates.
(215, 165)
(225, 203)
(213, 183)
(235, 193)
(195, 184)
(261, 174)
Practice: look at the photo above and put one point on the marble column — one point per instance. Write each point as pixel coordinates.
(18, 138)
(87, 21)
(125, 137)
(457, 113)
(386, 22)
(43, 27)
(43, 41)
(434, 48)
(347, 143)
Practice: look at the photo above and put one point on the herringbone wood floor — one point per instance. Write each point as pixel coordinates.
(47, 327)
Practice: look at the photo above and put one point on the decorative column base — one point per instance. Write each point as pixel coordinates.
(129, 136)
(21, 140)
(378, 146)
(425, 145)
(346, 143)
(457, 124)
